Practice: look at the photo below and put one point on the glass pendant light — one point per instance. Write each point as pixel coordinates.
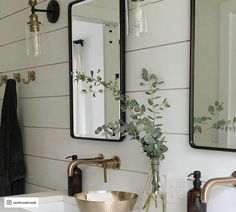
(138, 17)
(33, 36)
(34, 27)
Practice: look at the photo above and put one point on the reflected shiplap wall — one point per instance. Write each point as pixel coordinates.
(44, 106)
(210, 37)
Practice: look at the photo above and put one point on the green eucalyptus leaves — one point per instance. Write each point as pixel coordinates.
(143, 123)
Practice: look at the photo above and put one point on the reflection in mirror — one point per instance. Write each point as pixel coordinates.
(96, 44)
(213, 74)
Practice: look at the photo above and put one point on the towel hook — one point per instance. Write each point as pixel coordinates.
(31, 77)
(3, 79)
(17, 77)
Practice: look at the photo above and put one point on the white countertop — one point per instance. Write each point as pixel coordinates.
(46, 198)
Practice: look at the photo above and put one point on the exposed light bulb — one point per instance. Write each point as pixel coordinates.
(33, 36)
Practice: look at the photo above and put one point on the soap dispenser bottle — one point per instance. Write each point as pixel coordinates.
(194, 195)
(75, 181)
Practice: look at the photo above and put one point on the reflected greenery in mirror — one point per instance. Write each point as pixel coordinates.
(212, 84)
(213, 110)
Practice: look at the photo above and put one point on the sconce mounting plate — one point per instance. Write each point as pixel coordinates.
(53, 11)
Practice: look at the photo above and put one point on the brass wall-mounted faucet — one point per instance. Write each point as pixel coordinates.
(217, 181)
(100, 161)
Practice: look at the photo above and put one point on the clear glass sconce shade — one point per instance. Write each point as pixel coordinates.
(138, 17)
(33, 41)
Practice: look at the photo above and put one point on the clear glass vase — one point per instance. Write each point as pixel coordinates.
(154, 195)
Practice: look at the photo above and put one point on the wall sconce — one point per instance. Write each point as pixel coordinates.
(33, 27)
(137, 14)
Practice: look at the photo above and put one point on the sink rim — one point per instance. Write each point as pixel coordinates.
(116, 198)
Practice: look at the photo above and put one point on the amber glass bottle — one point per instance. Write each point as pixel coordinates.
(194, 195)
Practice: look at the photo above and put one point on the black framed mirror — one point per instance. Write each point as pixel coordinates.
(212, 75)
(96, 42)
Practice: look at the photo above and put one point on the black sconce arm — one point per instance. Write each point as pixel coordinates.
(53, 11)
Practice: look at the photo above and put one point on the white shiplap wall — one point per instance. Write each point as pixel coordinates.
(44, 106)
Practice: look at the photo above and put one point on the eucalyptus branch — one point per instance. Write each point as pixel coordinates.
(152, 102)
(141, 127)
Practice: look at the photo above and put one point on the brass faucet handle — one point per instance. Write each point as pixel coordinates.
(100, 157)
(104, 165)
(113, 163)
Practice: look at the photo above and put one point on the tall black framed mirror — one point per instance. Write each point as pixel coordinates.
(96, 42)
(213, 74)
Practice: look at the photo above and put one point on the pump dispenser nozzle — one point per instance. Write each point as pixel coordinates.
(73, 157)
(197, 182)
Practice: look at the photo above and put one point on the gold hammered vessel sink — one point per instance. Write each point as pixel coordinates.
(106, 201)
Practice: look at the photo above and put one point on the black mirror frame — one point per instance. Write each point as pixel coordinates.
(122, 67)
(191, 93)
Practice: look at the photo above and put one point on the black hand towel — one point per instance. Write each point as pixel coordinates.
(12, 166)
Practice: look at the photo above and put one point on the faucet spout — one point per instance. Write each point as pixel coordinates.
(88, 161)
(216, 181)
(100, 161)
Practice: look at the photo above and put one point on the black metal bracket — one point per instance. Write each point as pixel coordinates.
(53, 11)
(80, 41)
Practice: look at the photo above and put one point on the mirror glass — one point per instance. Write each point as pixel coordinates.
(96, 35)
(213, 74)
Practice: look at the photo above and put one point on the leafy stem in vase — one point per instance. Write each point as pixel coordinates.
(144, 119)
